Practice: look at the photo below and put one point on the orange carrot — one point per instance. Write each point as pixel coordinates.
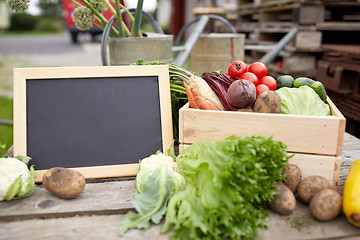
(201, 103)
(192, 103)
(211, 105)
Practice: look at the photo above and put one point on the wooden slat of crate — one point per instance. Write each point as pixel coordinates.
(246, 9)
(311, 164)
(308, 39)
(303, 134)
(338, 26)
(198, 11)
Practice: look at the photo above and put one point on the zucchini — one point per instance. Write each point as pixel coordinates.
(351, 194)
(301, 81)
(320, 90)
(284, 81)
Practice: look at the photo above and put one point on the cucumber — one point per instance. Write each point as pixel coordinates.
(284, 81)
(301, 81)
(319, 89)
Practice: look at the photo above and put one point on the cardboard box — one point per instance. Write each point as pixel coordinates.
(316, 141)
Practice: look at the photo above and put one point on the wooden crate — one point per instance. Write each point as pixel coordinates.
(316, 141)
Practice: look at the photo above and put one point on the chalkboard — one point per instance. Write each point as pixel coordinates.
(98, 120)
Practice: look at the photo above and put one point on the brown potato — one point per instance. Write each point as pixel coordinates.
(268, 102)
(294, 176)
(63, 182)
(326, 205)
(309, 186)
(284, 202)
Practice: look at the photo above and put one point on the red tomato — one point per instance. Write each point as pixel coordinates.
(259, 69)
(236, 69)
(269, 81)
(261, 88)
(251, 77)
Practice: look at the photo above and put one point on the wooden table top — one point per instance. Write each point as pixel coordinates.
(98, 211)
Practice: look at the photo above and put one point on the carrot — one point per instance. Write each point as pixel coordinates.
(212, 105)
(201, 103)
(192, 103)
(195, 82)
(203, 88)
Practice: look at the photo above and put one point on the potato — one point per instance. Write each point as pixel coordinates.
(326, 205)
(268, 102)
(309, 186)
(294, 176)
(63, 182)
(247, 109)
(284, 202)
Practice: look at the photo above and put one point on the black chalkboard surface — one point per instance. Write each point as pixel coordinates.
(98, 120)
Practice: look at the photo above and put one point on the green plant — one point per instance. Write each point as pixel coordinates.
(6, 131)
(23, 21)
(84, 16)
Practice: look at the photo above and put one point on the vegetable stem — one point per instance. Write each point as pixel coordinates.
(119, 19)
(137, 21)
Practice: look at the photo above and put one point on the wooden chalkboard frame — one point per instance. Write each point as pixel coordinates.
(22, 75)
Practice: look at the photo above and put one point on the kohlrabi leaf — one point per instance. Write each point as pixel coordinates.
(302, 101)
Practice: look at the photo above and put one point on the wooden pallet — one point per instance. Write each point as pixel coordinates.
(337, 77)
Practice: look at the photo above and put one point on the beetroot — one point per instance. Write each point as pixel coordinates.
(241, 93)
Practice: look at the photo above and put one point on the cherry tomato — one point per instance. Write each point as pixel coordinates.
(236, 69)
(259, 69)
(269, 81)
(251, 77)
(261, 88)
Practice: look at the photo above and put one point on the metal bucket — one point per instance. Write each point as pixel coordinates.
(128, 50)
(216, 51)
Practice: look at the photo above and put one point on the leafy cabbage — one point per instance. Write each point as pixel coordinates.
(302, 101)
(155, 183)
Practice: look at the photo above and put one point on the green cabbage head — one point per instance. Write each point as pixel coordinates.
(302, 101)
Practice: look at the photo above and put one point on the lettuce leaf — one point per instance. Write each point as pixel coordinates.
(228, 186)
(302, 101)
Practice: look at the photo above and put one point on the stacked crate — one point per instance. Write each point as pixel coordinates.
(339, 71)
(265, 22)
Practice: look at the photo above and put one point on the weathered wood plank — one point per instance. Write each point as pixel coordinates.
(299, 225)
(85, 227)
(351, 152)
(97, 198)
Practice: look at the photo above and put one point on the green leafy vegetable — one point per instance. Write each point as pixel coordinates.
(16, 180)
(228, 187)
(155, 182)
(302, 101)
